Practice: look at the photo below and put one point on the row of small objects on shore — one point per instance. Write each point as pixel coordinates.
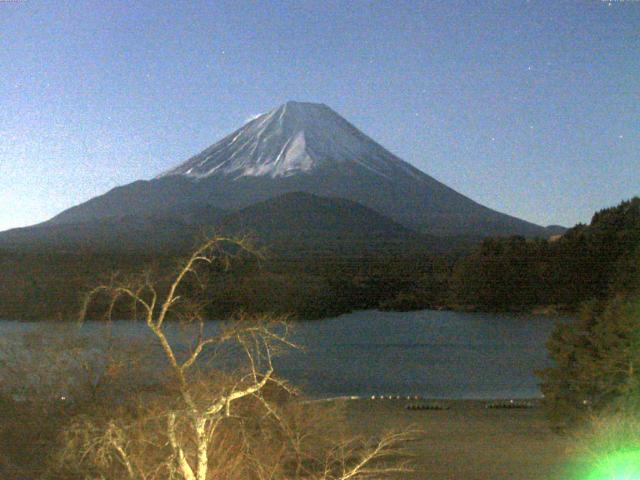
(420, 403)
(395, 397)
(510, 404)
(427, 406)
(493, 405)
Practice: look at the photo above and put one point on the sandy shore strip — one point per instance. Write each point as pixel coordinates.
(466, 440)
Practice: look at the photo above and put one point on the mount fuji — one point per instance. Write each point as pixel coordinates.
(297, 147)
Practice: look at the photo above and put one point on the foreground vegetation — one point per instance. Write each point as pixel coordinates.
(175, 404)
(596, 361)
(592, 390)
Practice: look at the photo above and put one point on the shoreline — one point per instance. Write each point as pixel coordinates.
(468, 440)
(550, 311)
(535, 401)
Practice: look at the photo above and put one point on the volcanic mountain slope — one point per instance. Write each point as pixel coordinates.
(120, 234)
(305, 147)
(301, 221)
(292, 224)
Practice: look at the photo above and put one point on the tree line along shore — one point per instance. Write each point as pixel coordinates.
(594, 261)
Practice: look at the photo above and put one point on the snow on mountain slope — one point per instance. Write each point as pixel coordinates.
(294, 138)
(305, 147)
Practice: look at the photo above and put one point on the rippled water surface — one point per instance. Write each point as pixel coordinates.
(429, 353)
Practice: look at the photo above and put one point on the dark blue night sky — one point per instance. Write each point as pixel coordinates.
(529, 107)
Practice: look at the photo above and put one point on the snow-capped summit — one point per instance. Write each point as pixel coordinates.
(303, 147)
(296, 137)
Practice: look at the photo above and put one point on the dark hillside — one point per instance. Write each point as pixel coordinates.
(589, 261)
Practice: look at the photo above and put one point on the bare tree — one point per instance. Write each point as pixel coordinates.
(47, 375)
(209, 420)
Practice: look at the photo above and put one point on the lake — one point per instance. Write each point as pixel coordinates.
(435, 354)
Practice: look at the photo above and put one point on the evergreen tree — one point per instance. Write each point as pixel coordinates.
(597, 360)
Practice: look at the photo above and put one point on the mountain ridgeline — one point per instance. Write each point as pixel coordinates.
(299, 147)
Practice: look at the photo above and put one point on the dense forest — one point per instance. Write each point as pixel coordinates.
(592, 261)
(595, 378)
(49, 285)
(499, 274)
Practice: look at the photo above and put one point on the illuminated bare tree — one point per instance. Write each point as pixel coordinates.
(214, 422)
